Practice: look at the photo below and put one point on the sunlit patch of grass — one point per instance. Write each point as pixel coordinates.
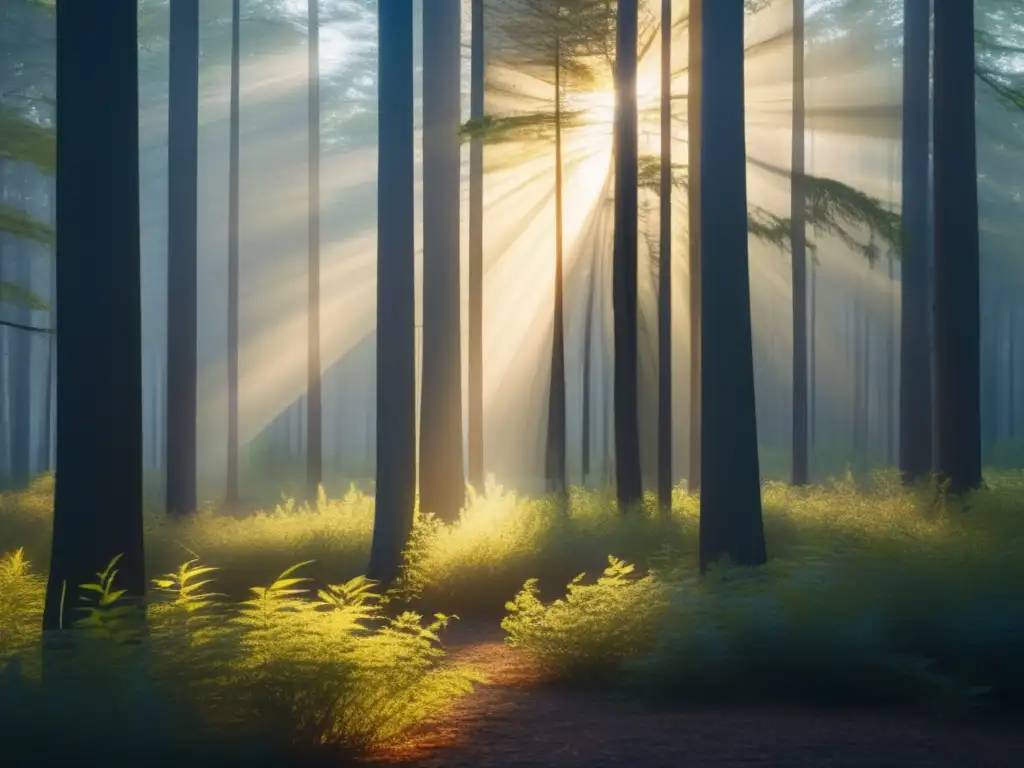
(21, 604)
(876, 595)
(289, 668)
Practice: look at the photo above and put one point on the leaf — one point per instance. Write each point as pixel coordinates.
(17, 223)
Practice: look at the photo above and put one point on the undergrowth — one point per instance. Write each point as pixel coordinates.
(287, 669)
(901, 598)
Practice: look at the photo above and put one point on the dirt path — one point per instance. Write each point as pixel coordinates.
(516, 721)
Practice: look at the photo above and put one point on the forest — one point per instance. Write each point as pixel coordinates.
(511, 382)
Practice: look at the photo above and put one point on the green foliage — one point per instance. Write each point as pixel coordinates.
(833, 207)
(286, 669)
(539, 126)
(12, 293)
(19, 224)
(893, 599)
(21, 605)
(25, 141)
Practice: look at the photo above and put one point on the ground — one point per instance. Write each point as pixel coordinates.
(520, 721)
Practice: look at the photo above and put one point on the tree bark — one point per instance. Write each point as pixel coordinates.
(957, 301)
(98, 496)
(314, 389)
(798, 239)
(396, 296)
(730, 497)
(182, 254)
(694, 129)
(231, 497)
(915, 334)
(476, 257)
(442, 483)
(665, 477)
(624, 299)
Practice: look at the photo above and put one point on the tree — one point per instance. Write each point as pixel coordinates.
(182, 252)
(442, 484)
(314, 421)
(957, 284)
(98, 498)
(624, 265)
(694, 129)
(231, 498)
(730, 499)
(665, 268)
(475, 361)
(396, 340)
(798, 250)
(915, 336)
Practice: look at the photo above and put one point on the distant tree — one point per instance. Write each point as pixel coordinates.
(665, 477)
(396, 338)
(957, 285)
(442, 483)
(231, 497)
(624, 270)
(915, 307)
(694, 128)
(730, 497)
(98, 497)
(182, 251)
(314, 408)
(475, 360)
(798, 250)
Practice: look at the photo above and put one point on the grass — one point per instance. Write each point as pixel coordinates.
(875, 594)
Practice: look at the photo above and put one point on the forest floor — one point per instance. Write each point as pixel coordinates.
(521, 720)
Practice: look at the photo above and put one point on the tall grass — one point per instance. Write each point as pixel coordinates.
(289, 668)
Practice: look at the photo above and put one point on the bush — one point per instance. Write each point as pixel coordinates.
(892, 597)
(286, 669)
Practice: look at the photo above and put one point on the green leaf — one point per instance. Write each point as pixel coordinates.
(25, 141)
(12, 293)
(17, 223)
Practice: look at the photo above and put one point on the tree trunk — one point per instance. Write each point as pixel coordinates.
(915, 336)
(588, 356)
(182, 253)
(476, 257)
(694, 131)
(554, 464)
(730, 498)
(20, 369)
(231, 498)
(98, 498)
(442, 483)
(798, 238)
(624, 300)
(396, 295)
(314, 396)
(665, 478)
(957, 303)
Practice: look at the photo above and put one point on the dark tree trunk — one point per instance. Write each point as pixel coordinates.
(798, 237)
(624, 299)
(314, 396)
(730, 497)
(1011, 379)
(915, 335)
(554, 463)
(957, 302)
(476, 257)
(442, 483)
(665, 479)
(694, 129)
(98, 498)
(231, 497)
(990, 370)
(396, 295)
(588, 357)
(812, 337)
(182, 252)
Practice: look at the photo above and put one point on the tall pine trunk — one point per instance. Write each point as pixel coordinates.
(314, 397)
(231, 497)
(624, 279)
(915, 334)
(730, 497)
(475, 361)
(665, 479)
(442, 483)
(798, 238)
(554, 463)
(957, 301)
(20, 365)
(396, 294)
(182, 253)
(98, 497)
(694, 129)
